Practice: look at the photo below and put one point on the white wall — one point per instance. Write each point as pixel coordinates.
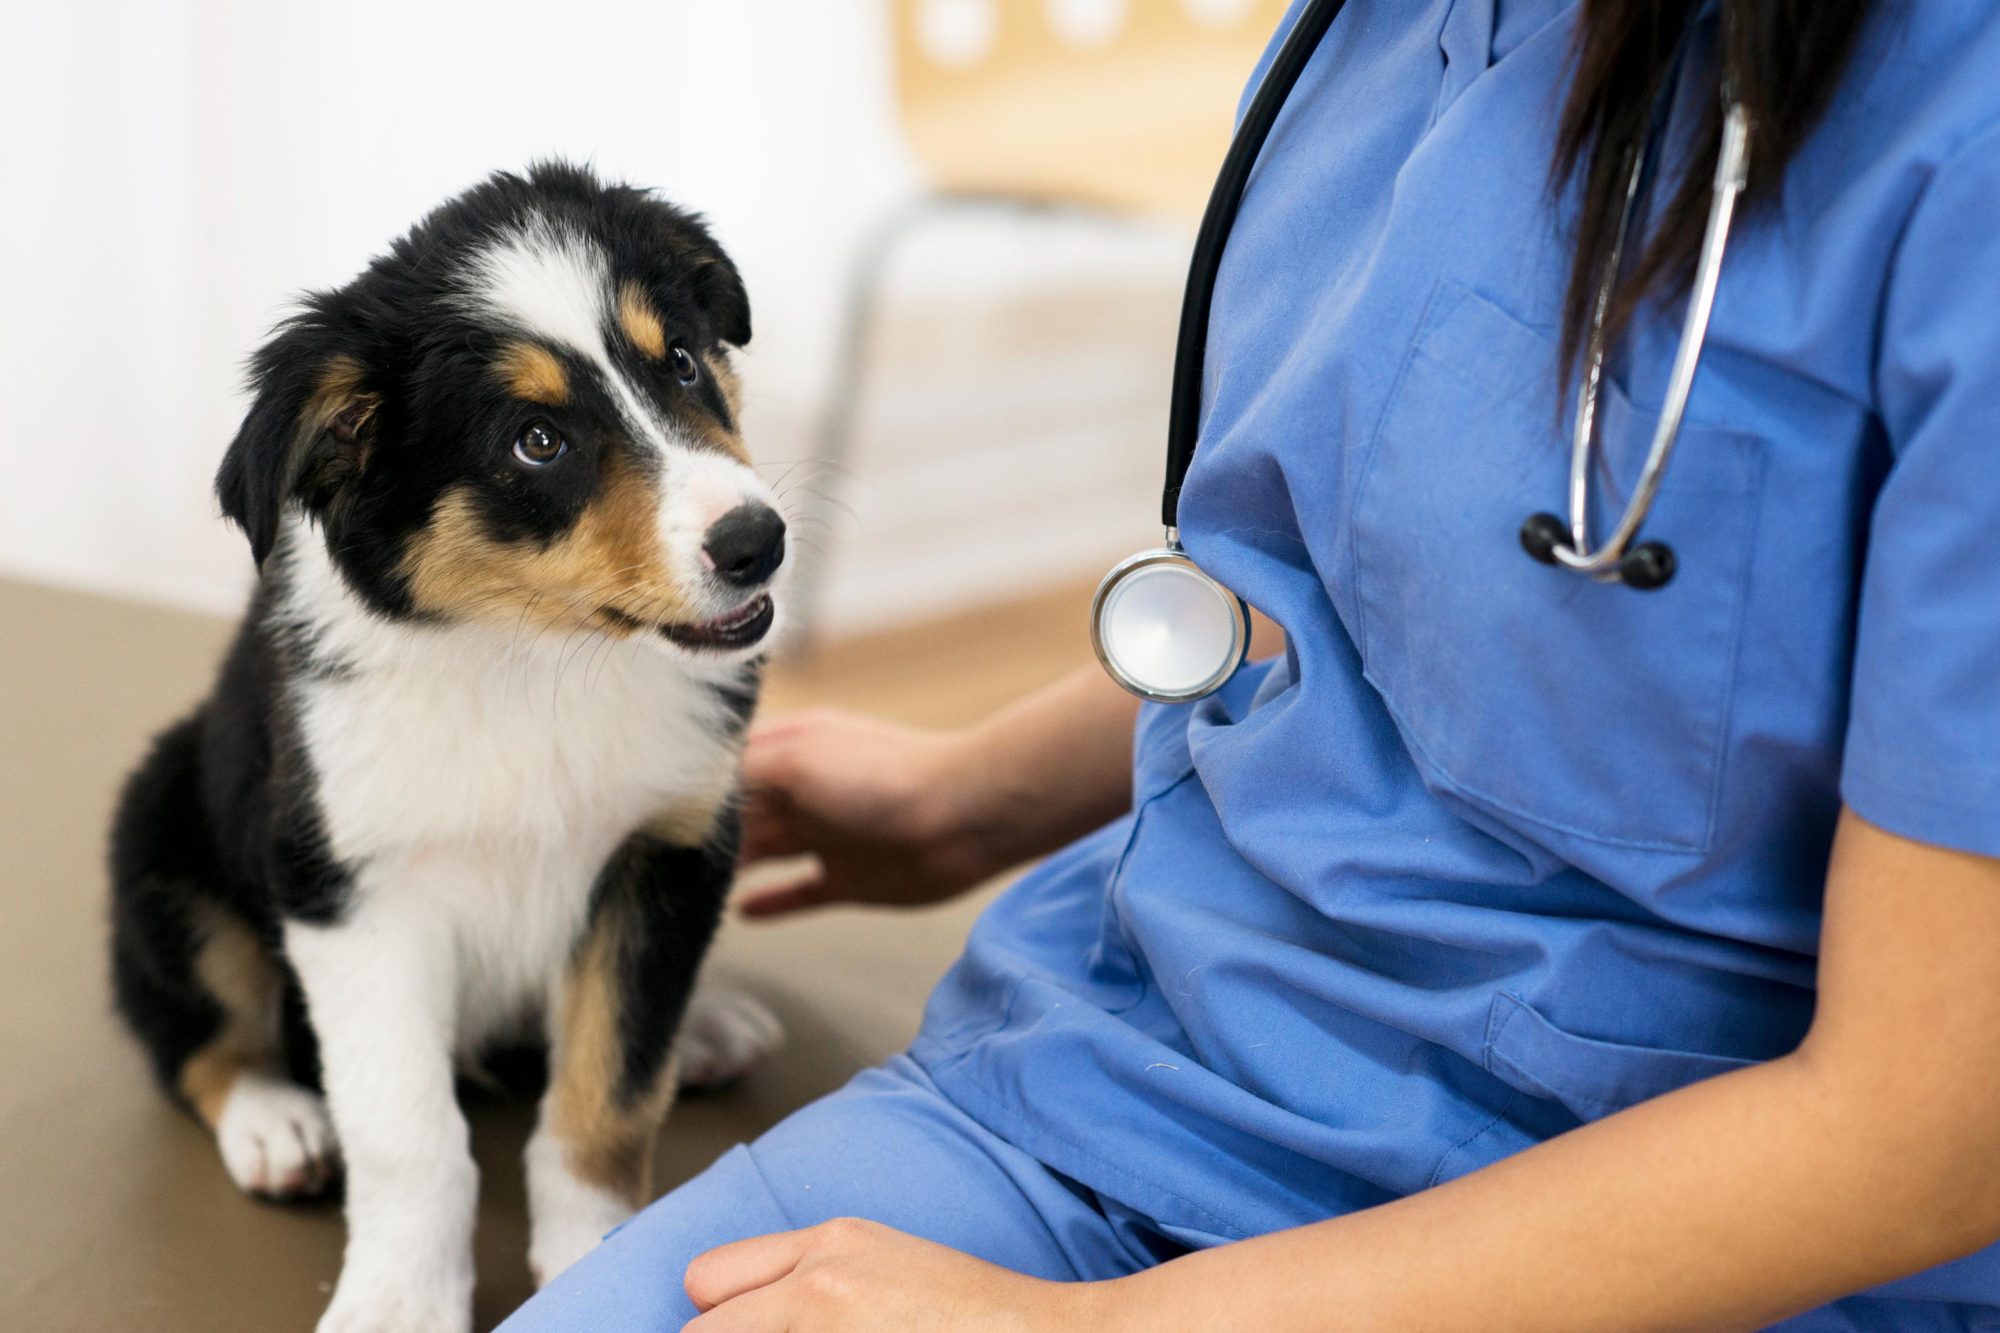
(173, 169)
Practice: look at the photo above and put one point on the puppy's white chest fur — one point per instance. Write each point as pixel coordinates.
(479, 779)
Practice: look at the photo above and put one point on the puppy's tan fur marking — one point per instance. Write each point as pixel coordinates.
(339, 404)
(640, 321)
(235, 970)
(691, 823)
(532, 372)
(612, 557)
(732, 387)
(729, 441)
(722, 441)
(339, 391)
(607, 1138)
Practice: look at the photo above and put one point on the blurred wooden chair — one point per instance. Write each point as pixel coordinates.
(1115, 109)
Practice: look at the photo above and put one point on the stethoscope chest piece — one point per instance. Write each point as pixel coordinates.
(1165, 630)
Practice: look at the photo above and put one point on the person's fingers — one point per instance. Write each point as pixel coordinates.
(795, 719)
(769, 831)
(765, 1310)
(728, 1271)
(785, 726)
(808, 890)
(769, 765)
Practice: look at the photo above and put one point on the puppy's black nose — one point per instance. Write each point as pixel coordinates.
(747, 544)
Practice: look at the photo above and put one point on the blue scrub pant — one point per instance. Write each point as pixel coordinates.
(888, 1147)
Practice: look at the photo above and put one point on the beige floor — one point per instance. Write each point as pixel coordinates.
(115, 1214)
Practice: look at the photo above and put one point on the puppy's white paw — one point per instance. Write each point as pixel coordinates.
(725, 1033)
(367, 1301)
(275, 1138)
(564, 1238)
(567, 1216)
(366, 1319)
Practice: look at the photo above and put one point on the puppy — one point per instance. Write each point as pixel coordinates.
(467, 774)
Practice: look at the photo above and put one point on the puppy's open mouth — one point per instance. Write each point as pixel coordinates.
(736, 629)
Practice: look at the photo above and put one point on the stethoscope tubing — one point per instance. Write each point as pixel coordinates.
(1732, 173)
(1191, 343)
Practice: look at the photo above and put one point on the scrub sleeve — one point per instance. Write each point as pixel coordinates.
(1923, 740)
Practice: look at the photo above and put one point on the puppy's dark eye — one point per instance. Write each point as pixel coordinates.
(686, 369)
(540, 444)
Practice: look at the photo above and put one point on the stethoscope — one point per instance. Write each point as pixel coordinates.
(1166, 631)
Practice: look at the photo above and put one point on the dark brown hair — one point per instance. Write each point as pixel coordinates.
(1783, 58)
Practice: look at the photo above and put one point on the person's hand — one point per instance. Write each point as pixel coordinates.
(849, 1274)
(892, 814)
(902, 816)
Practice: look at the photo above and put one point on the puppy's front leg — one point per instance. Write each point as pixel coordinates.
(613, 1022)
(381, 989)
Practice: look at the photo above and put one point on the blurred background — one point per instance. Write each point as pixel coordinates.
(963, 224)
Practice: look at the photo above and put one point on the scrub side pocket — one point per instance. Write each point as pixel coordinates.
(1533, 694)
(1588, 1077)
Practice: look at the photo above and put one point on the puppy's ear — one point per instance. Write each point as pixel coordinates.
(307, 437)
(719, 290)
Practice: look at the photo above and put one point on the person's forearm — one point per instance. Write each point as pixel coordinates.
(1058, 763)
(1727, 1205)
(1053, 766)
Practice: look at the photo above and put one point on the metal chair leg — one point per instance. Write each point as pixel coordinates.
(832, 449)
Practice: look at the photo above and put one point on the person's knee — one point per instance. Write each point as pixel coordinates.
(635, 1277)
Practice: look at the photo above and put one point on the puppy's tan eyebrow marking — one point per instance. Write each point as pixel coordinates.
(641, 324)
(532, 371)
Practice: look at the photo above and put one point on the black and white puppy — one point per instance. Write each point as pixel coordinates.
(467, 775)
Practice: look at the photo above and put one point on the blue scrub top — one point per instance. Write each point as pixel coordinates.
(1492, 849)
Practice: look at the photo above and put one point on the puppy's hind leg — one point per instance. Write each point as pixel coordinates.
(201, 991)
(275, 1137)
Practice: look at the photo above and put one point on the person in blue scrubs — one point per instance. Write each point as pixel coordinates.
(1513, 951)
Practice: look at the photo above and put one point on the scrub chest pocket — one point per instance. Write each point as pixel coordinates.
(1522, 689)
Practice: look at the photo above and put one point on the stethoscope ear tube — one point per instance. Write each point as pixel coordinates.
(1648, 565)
